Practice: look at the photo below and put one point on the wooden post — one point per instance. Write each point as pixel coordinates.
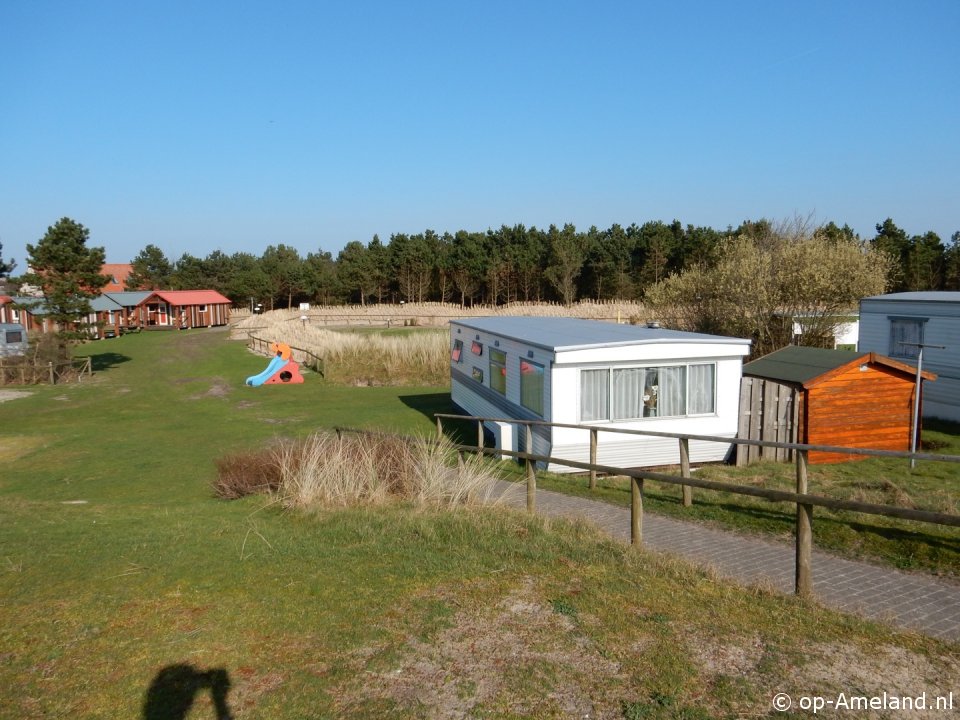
(593, 458)
(636, 512)
(480, 436)
(53, 380)
(531, 473)
(439, 429)
(804, 582)
(685, 471)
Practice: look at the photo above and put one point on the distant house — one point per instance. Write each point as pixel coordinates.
(898, 323)
(602, 374)
(844, 336)
(28, 311)
(844, 398)
(183, 309)
(118, 312)
(117, 274)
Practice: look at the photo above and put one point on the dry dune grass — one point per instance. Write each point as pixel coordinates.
(415, 358)
(438, 314)
(333, 470)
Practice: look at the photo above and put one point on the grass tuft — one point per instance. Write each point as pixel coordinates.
(329, 470)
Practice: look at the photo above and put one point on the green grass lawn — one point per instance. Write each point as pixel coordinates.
(128, 590)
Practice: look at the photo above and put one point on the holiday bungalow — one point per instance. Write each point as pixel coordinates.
(597, 374)
(13, 339)
(907, 324)
(28, 311)
(183, 309)
(116, 313)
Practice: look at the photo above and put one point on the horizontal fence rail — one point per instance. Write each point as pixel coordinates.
(804, 501)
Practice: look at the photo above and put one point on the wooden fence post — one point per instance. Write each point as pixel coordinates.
(480, 436)
(53, 379)
(439, 429)
(685, 471)
(804, 582)
(531, 473)
(636, 512)
(593, 458)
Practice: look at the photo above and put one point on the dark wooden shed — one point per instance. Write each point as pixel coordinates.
(844, 397)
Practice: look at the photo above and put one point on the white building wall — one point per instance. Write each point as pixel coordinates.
(464, 393)
(622, 450)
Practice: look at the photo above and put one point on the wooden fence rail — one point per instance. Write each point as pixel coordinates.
(27, 373)
(803, 500)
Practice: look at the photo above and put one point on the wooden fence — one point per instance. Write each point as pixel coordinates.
(769, 411)
(19, 371)
(307, 357)
(803, 500)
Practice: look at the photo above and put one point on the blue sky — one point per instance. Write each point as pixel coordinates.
(236, 125)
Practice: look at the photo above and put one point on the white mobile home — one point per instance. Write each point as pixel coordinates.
(602, 374)
(897, 325)
(13, 339)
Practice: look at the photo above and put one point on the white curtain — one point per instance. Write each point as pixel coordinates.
(672, 391)
(594, 390)
(702, 395)
(627, 393)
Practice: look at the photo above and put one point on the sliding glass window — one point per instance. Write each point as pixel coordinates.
(647, 392)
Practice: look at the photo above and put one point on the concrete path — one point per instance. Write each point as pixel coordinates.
(910, 600)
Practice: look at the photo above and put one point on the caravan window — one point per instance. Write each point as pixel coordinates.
(647, 392)
(594, 394)
(498, 371)
(906, 335)
(531, 386)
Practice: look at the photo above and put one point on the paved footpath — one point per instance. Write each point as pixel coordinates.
(910, 600)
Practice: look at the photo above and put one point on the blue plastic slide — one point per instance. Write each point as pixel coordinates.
(276, 363)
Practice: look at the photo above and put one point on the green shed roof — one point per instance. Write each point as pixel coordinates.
(804, 365)
(796, 364)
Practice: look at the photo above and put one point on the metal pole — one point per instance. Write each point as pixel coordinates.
(916, 396)
(916, 407)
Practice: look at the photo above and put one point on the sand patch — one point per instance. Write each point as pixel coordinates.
(6, 395)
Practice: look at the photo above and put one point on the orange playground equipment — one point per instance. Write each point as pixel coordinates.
(281, 370)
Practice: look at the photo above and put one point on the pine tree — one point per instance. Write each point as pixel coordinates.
(69, 273)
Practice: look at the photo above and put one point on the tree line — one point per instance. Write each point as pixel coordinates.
(558, 264)
(760, 280)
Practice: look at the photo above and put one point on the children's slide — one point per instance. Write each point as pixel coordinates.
(276, 362)
(281, 369)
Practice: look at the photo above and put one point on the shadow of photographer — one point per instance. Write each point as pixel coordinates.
(174, 689)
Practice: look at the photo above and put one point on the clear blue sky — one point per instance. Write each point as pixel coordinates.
(235, 125)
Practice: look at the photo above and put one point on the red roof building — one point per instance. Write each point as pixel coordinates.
(117, 273)
(183, 309)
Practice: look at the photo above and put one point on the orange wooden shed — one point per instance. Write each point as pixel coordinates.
(845, 398)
